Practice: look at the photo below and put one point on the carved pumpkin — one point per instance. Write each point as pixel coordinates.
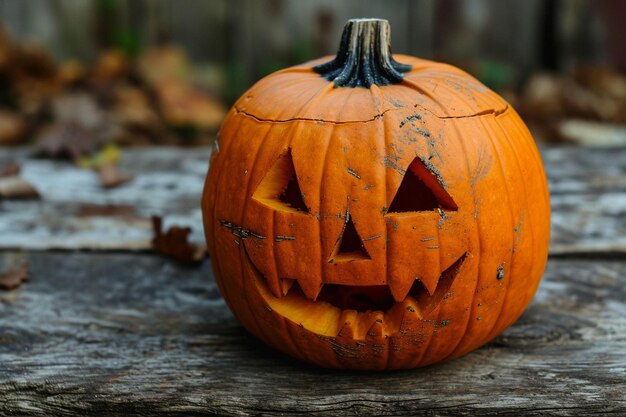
(375, 212)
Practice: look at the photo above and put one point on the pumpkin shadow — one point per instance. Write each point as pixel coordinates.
(269, 358)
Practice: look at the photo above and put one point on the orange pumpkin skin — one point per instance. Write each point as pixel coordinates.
(459, 271)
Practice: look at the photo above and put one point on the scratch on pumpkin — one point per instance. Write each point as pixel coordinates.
(352, 172)
(239, 231)
(482, 168)
(283, 238)
(410, 119)
(518, 231)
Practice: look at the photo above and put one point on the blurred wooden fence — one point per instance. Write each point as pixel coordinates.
(251, 37)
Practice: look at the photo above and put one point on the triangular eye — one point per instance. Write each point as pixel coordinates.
(421, 190)
(280, 189)
(349, 246)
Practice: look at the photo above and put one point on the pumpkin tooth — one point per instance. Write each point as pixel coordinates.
(375, 331)
(412, 317)
(347, 324)
(285, 285)
(310, 289)
(270, 277)
(273, 283)
(429, 280)
(399, 288)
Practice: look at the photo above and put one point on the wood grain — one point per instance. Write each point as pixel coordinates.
(168, 182)
(134, 334)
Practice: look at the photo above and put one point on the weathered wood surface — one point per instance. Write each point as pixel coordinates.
(588, 188)
(588, 199)
(167, 182)
(134, 334)
(116, 332)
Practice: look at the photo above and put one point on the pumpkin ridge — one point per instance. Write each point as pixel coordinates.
(243, 252)
(213, 211)
(414, 85)
(331, 135)
(388, 134)
(462, 345)
(479, 243)
(250, 188)
(313, 100)
(511, 145)
(539, 166)
(491, 135)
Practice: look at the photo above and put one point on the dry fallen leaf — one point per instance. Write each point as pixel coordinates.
(33, 77)
(601, 79)
(6, 50)
(81, 127)
(9, 169)
(184, 106)
(112, 64)
(12, 128)
(107, 210)
(16, 187)
(68, 140)
(592, 134)
(14, 277)
(174, 244)
(72, 72)
(132, 107)
(542, 97)
(164, 62)
(170, 74)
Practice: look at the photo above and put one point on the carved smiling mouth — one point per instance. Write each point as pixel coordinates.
(355, 312)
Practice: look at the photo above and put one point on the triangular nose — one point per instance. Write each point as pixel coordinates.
(349, 246)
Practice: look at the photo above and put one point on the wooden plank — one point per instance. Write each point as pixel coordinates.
(581, 170)
(588, 188)
(588, 199)
(118, 334)
(168, 182)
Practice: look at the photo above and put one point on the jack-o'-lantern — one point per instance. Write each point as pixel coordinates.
(371, 211)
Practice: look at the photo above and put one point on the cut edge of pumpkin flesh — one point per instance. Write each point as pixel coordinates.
(325, 319)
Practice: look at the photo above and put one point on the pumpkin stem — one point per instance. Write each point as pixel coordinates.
(364, 56)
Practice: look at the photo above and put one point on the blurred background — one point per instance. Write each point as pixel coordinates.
(165, 71)
(105, 104)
